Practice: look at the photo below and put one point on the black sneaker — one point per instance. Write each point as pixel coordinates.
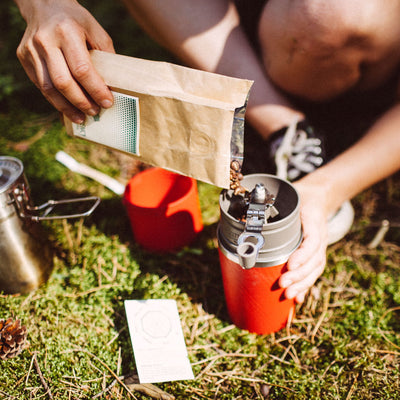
(296, 151)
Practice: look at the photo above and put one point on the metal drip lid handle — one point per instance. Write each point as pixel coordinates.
(250, 242)
(44, 210)
(20, 198)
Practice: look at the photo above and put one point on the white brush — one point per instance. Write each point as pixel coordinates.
(85, 170)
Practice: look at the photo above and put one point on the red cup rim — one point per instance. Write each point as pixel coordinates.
(162, 170)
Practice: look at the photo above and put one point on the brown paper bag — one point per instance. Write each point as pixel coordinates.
(170, 116)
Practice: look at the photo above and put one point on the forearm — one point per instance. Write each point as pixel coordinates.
(207, 35)
(28, 8)
(371, 159)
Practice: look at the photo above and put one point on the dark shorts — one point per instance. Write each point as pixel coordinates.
(250, 12)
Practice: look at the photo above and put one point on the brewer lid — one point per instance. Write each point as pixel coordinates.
(10, 170)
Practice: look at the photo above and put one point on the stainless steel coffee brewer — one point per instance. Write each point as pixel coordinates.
(257, 233)
(26, 256)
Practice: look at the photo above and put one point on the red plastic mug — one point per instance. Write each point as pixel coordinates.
(163, 209)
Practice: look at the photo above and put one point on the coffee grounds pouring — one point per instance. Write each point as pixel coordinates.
(235, 179)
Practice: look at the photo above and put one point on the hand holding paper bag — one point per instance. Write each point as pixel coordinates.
(166, 115)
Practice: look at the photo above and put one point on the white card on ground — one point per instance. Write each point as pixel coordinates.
(157, 340)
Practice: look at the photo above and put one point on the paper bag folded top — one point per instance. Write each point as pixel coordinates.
(170, 116)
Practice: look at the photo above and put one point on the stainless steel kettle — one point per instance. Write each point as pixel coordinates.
(26, 255)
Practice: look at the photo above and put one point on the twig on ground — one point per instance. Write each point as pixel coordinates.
(132, 381)
(226, 329)
(380, 330)
(254, 380)
(70, 242)
(395, 353)
(327, 369)
(380, 235)
(107, 389)
(80, 231)
(318, 325)
(290, 338)
(289, 321)
(119, 362)
(25, 144)
(29, 370)
(90, 291)
(211, 361)
(116, 336)
(348, 397)
(279, 359)
(9, 396)
(39, 372)
(108, 368)
(224, 355)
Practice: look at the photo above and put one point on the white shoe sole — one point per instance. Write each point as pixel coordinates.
(340, 223)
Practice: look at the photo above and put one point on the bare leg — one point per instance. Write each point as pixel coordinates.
(207, 35)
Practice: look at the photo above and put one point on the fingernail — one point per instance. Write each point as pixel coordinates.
(78, 119)
(106, 103)
(93, 111)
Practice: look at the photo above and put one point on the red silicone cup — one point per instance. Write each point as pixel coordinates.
(163, 209)
(254, 299)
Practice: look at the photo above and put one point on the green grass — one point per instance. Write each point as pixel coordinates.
(344, 342)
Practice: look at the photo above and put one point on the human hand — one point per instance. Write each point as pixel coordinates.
(54, 52)
(307, 263)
